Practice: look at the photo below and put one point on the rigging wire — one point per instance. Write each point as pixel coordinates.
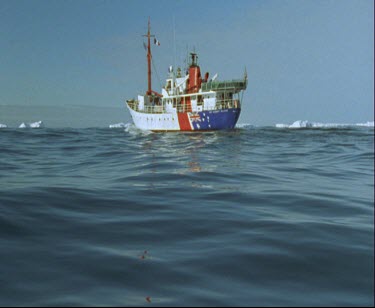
(156, 72)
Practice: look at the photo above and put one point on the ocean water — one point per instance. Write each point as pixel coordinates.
(258, 216)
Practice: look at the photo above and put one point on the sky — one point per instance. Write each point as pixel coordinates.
(306, 60)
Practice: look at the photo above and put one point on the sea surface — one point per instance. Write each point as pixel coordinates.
(257, 216)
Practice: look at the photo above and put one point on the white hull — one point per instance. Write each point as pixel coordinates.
(155, 121)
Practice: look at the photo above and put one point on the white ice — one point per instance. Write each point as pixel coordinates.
(38, 124)
(118, 125)
(244, 125)
(306, 124)
(367, 124)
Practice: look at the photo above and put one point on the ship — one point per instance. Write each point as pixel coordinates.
(187, 102)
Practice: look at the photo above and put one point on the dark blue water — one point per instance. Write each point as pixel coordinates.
(255, 216)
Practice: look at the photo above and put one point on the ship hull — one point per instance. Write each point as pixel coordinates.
(208, 120)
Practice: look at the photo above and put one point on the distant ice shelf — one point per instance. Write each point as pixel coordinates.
(307, 124)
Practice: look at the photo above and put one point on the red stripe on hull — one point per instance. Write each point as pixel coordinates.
(183, 120)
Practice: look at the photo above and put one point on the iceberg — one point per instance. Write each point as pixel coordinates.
(300, 124)
(296, 124)
(244, 125)
(367, 124)
(307, 124)
(118, 125)
(38, 124)
(282, 125)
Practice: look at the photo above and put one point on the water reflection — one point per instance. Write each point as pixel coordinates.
(194, 166)
(182, 153)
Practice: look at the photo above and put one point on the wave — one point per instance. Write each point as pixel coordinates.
(3, 126)
(130, 128)
(307, 124)
(133, 130)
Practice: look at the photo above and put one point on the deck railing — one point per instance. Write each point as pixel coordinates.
(234, 85)
(134, 104)
(184, 107)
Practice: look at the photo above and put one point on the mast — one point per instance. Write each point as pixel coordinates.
(148, 35)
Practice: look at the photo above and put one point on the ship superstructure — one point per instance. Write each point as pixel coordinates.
(188, 102)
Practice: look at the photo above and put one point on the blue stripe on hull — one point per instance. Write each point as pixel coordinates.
(216, 119)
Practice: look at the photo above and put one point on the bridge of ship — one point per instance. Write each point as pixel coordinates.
(223, 95)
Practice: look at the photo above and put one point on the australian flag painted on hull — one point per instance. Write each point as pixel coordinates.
(215, 119)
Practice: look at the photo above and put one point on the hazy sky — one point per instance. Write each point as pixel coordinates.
(306, 60)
